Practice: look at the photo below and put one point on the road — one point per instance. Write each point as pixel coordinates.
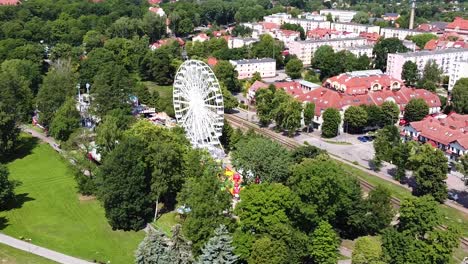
(40, 251)
(51, 141)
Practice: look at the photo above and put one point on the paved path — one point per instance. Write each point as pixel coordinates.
(51, 141)
(40, 251)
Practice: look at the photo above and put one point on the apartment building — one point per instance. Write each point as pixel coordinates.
(446, 60)
(308, 24)
(399, 33)
(305, 49)
(236, 42)
(278, 18)
(355, 28)
(339, 15)
(247, 68)
(459, 26)
(458, 71)
(362, 50)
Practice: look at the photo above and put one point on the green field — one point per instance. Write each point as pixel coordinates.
(452, 216)
(166, 221)
(50, 212)
(164, 91)
(9, 255)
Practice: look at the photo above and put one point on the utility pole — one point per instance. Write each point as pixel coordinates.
(413, 7)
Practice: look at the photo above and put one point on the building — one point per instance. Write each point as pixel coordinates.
(391, 16)
(279, 18)
(247, 68)
(304, 49)
(286, 35)
(399, 33)
(308, 24)
(9, 2)
(235, 42)
(434, 27)
(355, 28)
(344, 16)
(313, 16)
(166, 41)
(410, 45)
(362, 50)
(370, 87)
(444, 58)
(438, 44)
(459, 26)
(202, 37)
(458, 71)
(157, 10)
(372, 38)
(447, 133)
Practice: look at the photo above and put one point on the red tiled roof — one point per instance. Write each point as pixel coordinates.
(269, 25)
(436, 44)
(154, 2)
(373, 37)
(212, 61)
(155, 9)
(458, 23)
(9, 2)
(439, 130)
(203, 36)
(428, 28)
(258, 85)
(362, 84)
(286, 32)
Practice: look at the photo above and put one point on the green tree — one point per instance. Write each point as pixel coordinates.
(390, 113)
(361, 17)
(431, 76)
(181, 248)
(410, 73)
(110, 131)
(263, 103)
(294, 27)
(305, 152)
(219, 248)
(26, 69)
(230, 101)
(154, 26)
(93, 39)
(416, 110)
(93, 63)
(65, 121)
(207, 203)
(374, 214)
(430, 171)
(15, 95)
(355, 118)
(374, 115)
(124, 186)
(154, 249)
(291, 118)
(385, 140)
(417, 238)
(367, 250)
(422, 39)
(111, 89)
(383, 47)
(227, 74)
(263, 158)
(324, 245)
(462, 166)
(7, 187)
(331, 122)
(460, 96)
(325, 193)
(266, 250)
(268, 47)
(294, 68)
(156, 66)
(309, 113)
(9, 133)
(58, 85)
(326, 60)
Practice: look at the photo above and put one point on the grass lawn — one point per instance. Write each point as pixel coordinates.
(166, 221)
(10, 255)
(164, 91)
(50, 213)
(452, 216)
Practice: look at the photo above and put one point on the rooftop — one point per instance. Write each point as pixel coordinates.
(330, 40)
(428, 53)
(250, 61)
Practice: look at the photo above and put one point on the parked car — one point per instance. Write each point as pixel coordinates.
(363, 138)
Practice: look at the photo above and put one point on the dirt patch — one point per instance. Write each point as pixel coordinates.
(86, 197)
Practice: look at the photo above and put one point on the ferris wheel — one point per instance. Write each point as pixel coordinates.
(198, 103)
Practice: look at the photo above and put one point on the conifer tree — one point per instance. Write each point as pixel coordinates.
(154, 249)
(218, 249)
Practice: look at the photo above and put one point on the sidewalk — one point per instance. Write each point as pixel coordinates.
(40, 251)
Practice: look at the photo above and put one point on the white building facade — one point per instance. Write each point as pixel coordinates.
(458, 71)
(304, 49)
(308, 24)
(399, 33)
(247, 68)
(445, 59)
(344, 16)
(278, 18)
(355, 28)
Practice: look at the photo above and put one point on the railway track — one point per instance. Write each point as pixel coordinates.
(292, 144)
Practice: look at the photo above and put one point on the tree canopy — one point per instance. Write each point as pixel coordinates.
(460, 96)
(416, 110)
(383, 47)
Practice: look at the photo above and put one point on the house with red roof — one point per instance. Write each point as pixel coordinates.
(154, 2)
(167, 41)
(157, 10)
(10, 2)
(459, 26)
(370, 87)
(448, 133)
(286, 35)
(202, 37)
(437, 44)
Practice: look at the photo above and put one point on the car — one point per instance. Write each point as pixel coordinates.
(362, 139)
(368, 138)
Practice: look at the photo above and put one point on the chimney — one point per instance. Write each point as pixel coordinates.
(413, 7)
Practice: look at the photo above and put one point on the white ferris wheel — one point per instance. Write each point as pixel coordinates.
(198, 104)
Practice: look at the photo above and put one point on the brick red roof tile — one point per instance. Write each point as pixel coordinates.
(459, 23)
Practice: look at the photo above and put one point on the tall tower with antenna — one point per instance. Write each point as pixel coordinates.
(413, 7)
